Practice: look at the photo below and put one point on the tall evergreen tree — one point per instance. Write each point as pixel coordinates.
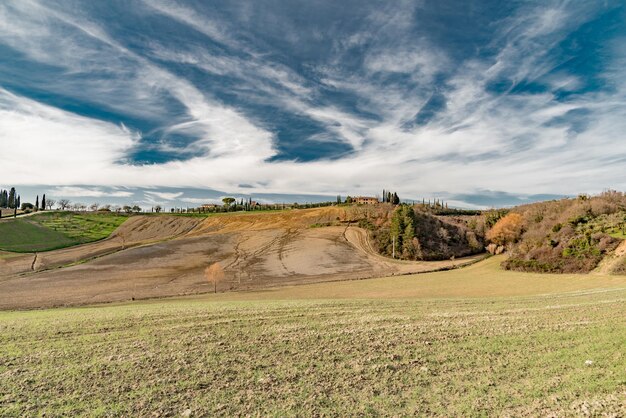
(12, 202)
(410, 221)
(43, 202)
(18, 202)
(396, 199)
(396, 230)
(37, 203)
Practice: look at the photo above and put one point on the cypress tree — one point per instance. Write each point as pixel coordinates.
(43, 202)
(408, 249)
(12, 198)
(37, 203)
(397, 228)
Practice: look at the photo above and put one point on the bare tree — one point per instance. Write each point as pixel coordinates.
(214, 274)
(50, 203)
(122, 237)
(94, 207)
(63, 204)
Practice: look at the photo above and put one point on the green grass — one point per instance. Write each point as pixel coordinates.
(52, 230)
(448, 357)
(23, 235)
(617, 233)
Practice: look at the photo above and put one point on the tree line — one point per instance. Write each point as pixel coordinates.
(389, 197)
(9, 199)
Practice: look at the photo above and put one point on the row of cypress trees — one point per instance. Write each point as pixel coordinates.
(389, 197)
(9, 199)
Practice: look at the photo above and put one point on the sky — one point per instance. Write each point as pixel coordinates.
(482, 103)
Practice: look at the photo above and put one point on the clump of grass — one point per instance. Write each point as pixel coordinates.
(324, 224)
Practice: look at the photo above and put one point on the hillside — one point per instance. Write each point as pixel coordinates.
(419, 233)
(47, 231)
(564, 236)
(156, 256)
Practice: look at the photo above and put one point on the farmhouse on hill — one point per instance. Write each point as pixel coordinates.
(365, 200)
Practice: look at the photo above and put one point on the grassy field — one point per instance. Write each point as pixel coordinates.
(396, 346)
(52, 230)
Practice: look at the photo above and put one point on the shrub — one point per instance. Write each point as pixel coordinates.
(581, 247)
(507, 230)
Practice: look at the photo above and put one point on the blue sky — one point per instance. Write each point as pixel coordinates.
(480, 102)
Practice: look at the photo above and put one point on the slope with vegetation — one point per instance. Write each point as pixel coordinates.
(569, 235)
(52, 230)
(416, 232)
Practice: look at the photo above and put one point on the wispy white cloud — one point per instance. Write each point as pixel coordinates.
(166, 195)
(46, 143)
(480, 138)
(75, 191)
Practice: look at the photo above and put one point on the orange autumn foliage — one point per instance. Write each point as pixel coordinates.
(214, 274)
(507, 230)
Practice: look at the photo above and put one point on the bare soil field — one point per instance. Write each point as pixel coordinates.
(157, 256)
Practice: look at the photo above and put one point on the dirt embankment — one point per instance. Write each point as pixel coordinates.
(156, 256)
(295, 219)
(614, 263)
